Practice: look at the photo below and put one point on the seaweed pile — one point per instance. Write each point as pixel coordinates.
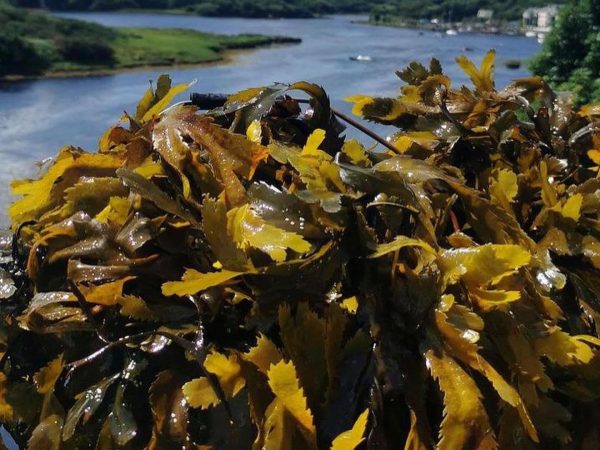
(247, 277)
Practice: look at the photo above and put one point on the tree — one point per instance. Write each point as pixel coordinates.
(86, 51)
(570, 58)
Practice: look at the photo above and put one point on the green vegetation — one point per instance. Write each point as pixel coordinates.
(262, 8)
(135, 47)
(570, 58)
(149, 46)
(34, 43)
(450, 10)
(242, 8)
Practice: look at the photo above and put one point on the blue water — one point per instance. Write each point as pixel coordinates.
(38, 117)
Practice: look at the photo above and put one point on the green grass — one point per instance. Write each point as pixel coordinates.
(162, 47)
(147, 46)
(137, 47)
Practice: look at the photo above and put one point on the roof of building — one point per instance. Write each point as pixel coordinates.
(548, 9)
(485, 13)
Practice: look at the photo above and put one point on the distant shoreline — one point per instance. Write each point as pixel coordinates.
(182, 12)
(228, 57)
(444, 27)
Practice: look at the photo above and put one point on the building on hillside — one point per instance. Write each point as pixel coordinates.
(539, 20)
(485, 15)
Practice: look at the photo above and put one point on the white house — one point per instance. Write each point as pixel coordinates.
(540, 19)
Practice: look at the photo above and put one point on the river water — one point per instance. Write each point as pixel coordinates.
(38, 117)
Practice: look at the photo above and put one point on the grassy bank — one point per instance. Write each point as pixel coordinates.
(37, 44)
(135, 47)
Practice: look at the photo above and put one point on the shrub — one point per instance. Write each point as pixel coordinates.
(19, 57)
(86, 51)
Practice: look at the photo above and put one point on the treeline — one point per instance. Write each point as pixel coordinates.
(242, 8)
(570, 58)
(83, 5)
(455, 10)
(31, 42)
(449, 10)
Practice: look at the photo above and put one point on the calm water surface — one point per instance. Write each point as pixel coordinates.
(38, 117)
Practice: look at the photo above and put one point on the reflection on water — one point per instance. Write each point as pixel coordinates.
(38, 117)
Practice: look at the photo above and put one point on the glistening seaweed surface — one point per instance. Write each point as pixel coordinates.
(248, 278)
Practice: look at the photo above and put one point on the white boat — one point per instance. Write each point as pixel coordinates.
(451, 32)
(530, 34)
(361, 58)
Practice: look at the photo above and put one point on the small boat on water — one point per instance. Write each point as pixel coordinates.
(451, 32)
(530, 34)
(361, 58)
(513, 64)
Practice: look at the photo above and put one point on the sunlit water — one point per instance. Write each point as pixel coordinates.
(38, 117)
